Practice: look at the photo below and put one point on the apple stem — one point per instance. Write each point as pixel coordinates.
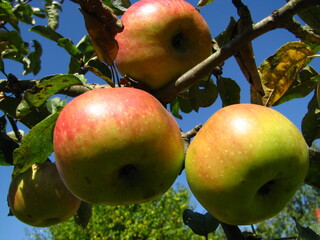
(232, 232)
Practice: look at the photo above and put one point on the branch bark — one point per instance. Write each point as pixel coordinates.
(278, 19)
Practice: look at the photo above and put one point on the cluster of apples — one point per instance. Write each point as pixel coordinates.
(120, 145)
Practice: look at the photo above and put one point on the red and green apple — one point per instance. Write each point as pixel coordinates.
(117, 146)
(161, 40)
(246, 163)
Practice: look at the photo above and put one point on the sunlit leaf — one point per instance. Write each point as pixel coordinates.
(55, 104)
(202, 3)
(24, 13)
(175, 109)
(36, 145)
(305, 82)
(68, 46)
(6, 12)
(22, 109)
(86, 53)
(38, 94)
(53, 14)
(279, 71)
(180, 103)
(47, 32)
(15, 47)
(316, 228)
(118, 6)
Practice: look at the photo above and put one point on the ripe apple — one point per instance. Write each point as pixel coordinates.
(39, 198)
(161, 40)
(117, 146)
(246, 163)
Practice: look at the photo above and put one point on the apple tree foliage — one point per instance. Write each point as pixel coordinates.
(36, 103)
(157, 219)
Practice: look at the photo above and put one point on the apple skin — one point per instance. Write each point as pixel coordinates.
(117, 146)
(39, 198)
(161, 40)
(246, 163)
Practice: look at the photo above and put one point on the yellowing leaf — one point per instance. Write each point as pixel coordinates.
(279, 71)
(102, 25)
(202, 3)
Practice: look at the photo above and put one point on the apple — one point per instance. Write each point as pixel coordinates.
(39, 198)
(246, 163)
(117, 146)
(161, 40)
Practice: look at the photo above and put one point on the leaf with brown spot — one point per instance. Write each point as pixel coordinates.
(279, 71)
(37, 95)
(102, 25)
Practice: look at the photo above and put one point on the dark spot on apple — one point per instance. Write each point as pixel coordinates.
(29, 215)
(128, 171)
(266, 188)
(178, 42)
(88, 180)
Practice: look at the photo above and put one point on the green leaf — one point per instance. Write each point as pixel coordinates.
(174, 108)
(306, 233)
(201, 224)
(87, 52)
(38, 94)
(310, 125)
(22, 109)
(68, 46)
(316, 228)
(36, 145)
(100, 69)
(203, 94)
(229, 91)
(6, 12)
(118, 6)
(47, 32)
(1, 66)
(311, 16)
(84, 214)
(7, 145)
(24, 13)
(15, 47)
(226, 36)
(55, 104)
(32, 62)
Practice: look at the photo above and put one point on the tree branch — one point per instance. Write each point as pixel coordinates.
(278, 19)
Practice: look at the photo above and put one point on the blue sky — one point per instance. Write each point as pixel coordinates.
(55, 60)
